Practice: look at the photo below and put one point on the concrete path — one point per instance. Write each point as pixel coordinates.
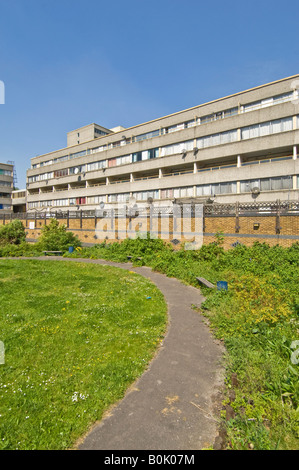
(175, 403)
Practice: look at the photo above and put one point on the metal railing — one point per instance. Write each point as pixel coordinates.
(209, 210)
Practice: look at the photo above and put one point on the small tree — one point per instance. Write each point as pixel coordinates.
(55, 237)
(12, 233)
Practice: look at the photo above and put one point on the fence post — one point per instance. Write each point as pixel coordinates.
(277, 226)
(237, 226)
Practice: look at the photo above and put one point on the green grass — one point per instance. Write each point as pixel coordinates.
(257, 319)
(76, 336)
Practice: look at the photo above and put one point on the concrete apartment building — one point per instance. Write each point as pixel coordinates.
(19, 198)
(241, 147)
(6, 187)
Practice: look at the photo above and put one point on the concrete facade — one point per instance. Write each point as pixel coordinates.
(19, 198)
(241, 147)
(6, 187)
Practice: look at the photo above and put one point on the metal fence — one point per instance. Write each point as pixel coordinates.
(179, 209)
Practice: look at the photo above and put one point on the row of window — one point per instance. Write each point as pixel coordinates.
(7, 184)
(263, 184)
(112, 162)
(282, 98)
(5, 172)
(249, 132)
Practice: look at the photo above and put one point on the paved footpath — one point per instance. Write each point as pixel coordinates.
(175, 403)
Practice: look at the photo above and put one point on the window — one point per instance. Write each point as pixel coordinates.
(267, 128)
(217, 188)
(96, 165)
(96, 199)
(268, 102)
(186, 192)
(137, 157)
(77, 169)
(177, 127)
(99, 132)
(78, 154)
(145, 155)
(33, 205)
(177, 148)
(217, 139)
(144, 195)
(46, 203)
(60, 202)
(5, 172)
(153, 153)
(46, 176)
(112, 162)
(124, 197)
(5, 183)
(61, 159)
(148, 135)
(267, 184)
(60, 173)
(80, 200)
(123, 160)
(166, 193)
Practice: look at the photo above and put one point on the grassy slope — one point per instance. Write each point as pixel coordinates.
(76, 336)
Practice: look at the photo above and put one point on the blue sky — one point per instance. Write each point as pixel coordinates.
(67, 63)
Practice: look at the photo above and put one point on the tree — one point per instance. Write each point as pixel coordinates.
(12, 233)
(55, 237)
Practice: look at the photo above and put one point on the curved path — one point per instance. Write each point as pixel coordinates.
(173, 406)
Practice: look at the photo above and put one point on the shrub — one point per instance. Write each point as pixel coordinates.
(12, 233)
(55, 237)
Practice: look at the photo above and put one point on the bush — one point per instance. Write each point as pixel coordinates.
(12, 233)
(55, 237)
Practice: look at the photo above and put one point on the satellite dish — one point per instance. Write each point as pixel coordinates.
(255, 190)
(76, 171)
(132, 201)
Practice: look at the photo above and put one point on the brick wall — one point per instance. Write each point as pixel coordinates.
(244, 229)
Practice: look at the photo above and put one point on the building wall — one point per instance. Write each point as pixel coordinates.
(85, 134)
(244, 229)
(6, 187)
(206, 162)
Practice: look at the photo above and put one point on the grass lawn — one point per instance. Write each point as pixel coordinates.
(76, 336)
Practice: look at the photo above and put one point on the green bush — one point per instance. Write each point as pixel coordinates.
(12, 233)
(23, 249)
(55, 237)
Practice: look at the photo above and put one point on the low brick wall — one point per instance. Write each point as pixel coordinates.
(244, 229)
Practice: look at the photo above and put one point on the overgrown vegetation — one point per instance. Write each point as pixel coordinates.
(54, 237)
(12, 233)
(257, 318)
